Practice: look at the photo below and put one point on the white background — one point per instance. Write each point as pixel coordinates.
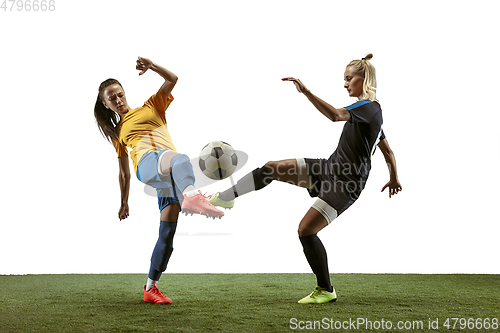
(437, 70)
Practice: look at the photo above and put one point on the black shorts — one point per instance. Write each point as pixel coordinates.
(325, 185)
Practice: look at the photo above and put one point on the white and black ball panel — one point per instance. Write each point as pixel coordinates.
(218, 160)
(217, 152)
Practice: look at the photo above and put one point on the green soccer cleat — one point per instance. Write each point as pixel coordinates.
(214, 200)
(319, 295)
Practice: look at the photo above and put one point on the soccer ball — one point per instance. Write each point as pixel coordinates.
(218, 160)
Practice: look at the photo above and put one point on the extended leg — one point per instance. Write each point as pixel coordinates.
(284, 171)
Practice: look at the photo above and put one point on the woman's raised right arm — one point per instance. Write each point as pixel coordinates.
(326, 109)
(124, 178)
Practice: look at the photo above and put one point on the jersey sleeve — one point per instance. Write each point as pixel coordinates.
(361, 112)
(382, 135)
(160, 102)
(121, 149)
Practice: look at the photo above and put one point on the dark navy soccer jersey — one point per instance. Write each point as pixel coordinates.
(351, 161)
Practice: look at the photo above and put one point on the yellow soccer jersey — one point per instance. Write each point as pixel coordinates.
(145, 128)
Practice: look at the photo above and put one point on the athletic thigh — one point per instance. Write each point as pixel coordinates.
(285, 170)
(312, 223)
(171, 212)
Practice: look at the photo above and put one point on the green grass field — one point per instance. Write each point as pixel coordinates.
(246, 303)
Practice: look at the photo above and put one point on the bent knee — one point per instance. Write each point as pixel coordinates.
(272, 165)
(304, 231)
(165, 161)
(269, 169)
(179, 158)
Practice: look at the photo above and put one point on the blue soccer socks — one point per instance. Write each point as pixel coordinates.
(163, 249)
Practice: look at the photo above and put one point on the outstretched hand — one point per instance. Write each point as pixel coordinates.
(394, 187)
(298, 84)
(143, 64)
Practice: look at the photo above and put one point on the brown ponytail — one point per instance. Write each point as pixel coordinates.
(107, 120)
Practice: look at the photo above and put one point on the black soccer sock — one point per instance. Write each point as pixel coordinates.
(316, 256)
(253, 181)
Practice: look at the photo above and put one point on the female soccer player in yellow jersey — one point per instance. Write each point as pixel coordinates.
(156, 162)
(336, 181)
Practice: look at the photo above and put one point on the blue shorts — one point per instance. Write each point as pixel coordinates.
(147, 172)
(338, 194)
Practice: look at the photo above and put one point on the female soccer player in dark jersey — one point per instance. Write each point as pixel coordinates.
(156, 162)
(336, 181)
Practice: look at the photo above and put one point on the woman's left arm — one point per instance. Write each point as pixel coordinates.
(393, 184)
(143, 64)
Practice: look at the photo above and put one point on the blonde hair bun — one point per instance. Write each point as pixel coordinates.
(369, 56)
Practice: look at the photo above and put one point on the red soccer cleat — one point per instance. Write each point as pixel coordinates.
(154, 295)
(199, 204)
